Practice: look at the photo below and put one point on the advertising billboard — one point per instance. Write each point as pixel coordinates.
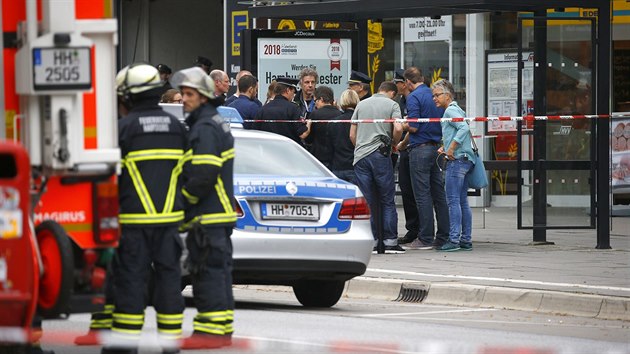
(285, 53)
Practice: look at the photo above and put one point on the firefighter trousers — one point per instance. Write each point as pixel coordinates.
(210, 265)
(139, 249)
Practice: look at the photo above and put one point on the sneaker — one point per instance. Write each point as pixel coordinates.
(394, 249)
(418, 245)
(465, 246)
(449, 247)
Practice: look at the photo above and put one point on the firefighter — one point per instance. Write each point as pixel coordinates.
(101, 320)
(210, 215)
(152, 144)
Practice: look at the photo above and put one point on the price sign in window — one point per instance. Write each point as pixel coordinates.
(62, 68)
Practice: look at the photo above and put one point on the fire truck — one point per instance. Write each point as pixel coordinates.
(59, 64)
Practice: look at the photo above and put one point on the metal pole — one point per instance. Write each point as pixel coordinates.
(603, 125)
(363, 46)
(539, 197)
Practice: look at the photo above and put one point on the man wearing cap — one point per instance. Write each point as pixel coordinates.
(210, 216)
(404, 176)
(426, 178)
(165, 74)
(360, 83)
(204, 63)
(283, 108)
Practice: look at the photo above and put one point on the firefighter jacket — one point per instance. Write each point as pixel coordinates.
(208, 170)
(152, 144)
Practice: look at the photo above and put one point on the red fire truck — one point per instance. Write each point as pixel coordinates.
(59, 63)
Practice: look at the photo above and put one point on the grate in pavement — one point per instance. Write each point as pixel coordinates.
(412, 292)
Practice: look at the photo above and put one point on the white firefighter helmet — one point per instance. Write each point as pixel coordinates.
(195, 78)
(137, 78)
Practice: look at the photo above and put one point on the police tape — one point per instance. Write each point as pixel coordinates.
(529, 118)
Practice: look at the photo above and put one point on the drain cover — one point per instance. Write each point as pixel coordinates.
(413, 292)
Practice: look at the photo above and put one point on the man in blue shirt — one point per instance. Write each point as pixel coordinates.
(426, 178)
(246, 103)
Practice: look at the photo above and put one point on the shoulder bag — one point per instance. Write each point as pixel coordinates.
(478, 177)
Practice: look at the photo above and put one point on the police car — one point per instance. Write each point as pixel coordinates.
(298, 224)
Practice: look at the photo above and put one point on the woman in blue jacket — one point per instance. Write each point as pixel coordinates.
(459, 155)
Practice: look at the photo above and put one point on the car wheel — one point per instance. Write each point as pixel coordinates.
(58, 262)
(318, 293)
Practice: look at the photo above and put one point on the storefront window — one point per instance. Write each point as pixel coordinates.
(437, 46)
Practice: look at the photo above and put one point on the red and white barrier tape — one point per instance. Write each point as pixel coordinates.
(438, 120)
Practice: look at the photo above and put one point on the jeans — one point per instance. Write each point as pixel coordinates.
(375, 178)
(459, 212)
(409, 202)
(428, 189)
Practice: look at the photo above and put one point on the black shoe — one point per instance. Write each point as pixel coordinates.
(408, 238)
(394, 249)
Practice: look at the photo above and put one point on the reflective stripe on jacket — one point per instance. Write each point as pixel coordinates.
(208, 170)
(152, 143)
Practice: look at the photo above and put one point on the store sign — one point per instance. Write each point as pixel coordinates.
(421, 29)
(236, 19)
(330, 57)
(239, 23)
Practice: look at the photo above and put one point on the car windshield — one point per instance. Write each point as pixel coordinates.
(266, 157)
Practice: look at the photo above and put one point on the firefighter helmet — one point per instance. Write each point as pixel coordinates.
(195, 78)
(137, 78)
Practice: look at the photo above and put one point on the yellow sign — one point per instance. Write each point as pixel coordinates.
(621, 14)
(287, 24)
(376, 42)
(375, 37)
(240, 21)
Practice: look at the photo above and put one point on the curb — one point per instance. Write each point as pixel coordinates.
(543, 301)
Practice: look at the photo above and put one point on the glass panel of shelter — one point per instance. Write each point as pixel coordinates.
(568, 158)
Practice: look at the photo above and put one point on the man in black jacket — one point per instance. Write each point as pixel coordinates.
(208, 168)
(283, 108)
(318, 139)
(152, 143)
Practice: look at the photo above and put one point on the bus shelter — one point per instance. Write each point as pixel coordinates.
(537, 163)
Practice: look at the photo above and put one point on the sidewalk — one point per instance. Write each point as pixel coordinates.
(504, 271)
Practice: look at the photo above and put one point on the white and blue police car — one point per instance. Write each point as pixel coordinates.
(298, 224)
